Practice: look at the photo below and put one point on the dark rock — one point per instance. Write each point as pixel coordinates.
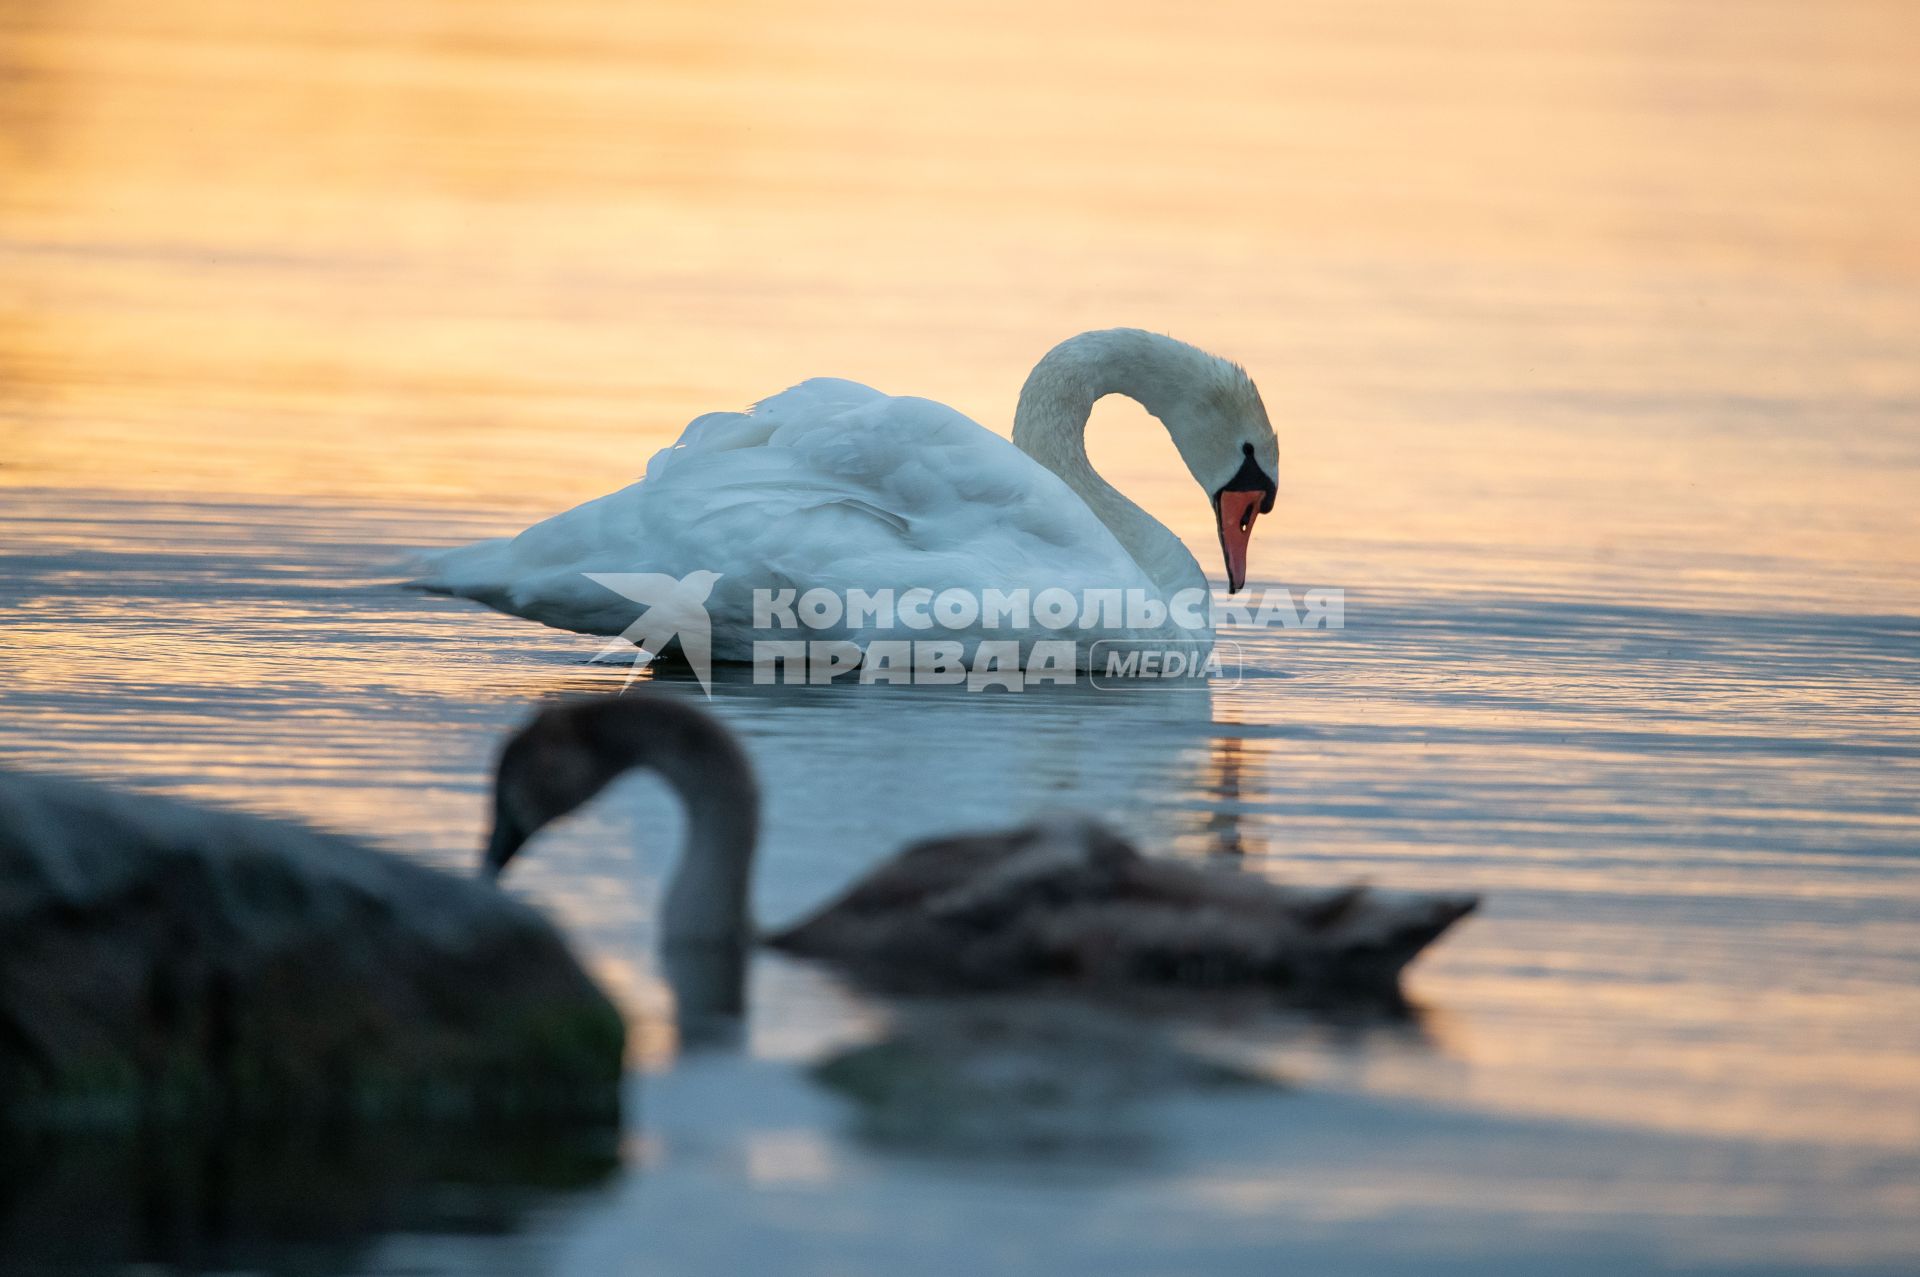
(162, 960)
(269, 1197)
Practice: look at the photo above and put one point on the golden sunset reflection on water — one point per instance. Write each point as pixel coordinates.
(1540, 282)
(1591, 333)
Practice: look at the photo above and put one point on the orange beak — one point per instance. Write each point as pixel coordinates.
(1237, 511)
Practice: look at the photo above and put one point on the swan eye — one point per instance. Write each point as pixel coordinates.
(1251, 477)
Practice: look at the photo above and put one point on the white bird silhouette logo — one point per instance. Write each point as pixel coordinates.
(676, 608)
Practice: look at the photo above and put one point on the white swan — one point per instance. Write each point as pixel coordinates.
(834, 486)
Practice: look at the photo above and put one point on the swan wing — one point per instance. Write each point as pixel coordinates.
(1076, 903)
(830, 484)
(967, 886)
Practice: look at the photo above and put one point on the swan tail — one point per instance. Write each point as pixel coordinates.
(483, 571)
(1368, 937)
(500, 575)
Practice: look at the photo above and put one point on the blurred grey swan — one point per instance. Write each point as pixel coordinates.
(1062, 902)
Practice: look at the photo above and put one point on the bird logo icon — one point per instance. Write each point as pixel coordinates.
(676, 609)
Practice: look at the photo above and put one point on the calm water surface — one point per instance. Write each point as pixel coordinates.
(1591, 330)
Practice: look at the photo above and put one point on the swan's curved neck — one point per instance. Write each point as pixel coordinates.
(1050, 425)
(568, 754)
(709, 895)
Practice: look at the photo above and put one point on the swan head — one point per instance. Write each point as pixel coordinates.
(552, 766)
(1213, 412)
(1209, 405)
(570, 752)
